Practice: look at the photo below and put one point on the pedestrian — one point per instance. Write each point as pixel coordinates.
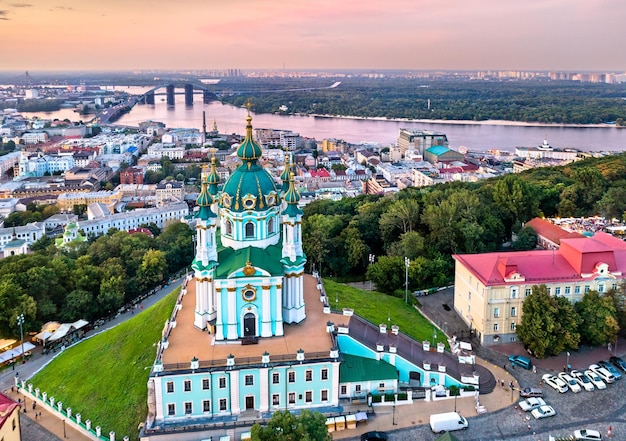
(502, 384)
(534, 369)
(504, 366)
(34, 405)
(511, 384)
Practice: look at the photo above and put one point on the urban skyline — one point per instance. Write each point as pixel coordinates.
(277, 34)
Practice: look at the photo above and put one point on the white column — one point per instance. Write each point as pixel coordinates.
(279, 310)
(232, 314)
(266, 319)
(219, 322)
(158, 395)
(335, 384)
(234, 392)
(264, 394)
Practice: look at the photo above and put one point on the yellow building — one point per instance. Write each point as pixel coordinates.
(489, 288)
(10, 429)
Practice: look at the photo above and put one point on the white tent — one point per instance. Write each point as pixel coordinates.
(65, 329)
(15, 352)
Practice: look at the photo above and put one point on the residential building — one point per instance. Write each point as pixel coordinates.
(10, 429)
(420, 140)
(169, 191)
(132, 175)
(490, 288)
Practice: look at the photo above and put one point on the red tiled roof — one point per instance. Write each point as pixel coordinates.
(576, 256)
(7, 407)
(549, 231)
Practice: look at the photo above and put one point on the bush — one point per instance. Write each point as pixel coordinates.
(454, 390)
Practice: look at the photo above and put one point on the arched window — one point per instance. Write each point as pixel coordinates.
(270, 226)
(229, 227)
(249, 230)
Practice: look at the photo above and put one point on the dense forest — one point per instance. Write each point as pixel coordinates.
(429, 224)
(88, 280)
(528, 101)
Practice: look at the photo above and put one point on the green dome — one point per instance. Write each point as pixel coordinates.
(249, 149)
(213, 178)
(250, 187)
(285, 174)
(204, 202)
(292, 197)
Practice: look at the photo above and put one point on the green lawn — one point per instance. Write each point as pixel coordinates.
(376, 308)
(104, 378)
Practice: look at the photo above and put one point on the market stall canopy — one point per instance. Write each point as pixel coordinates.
(15, 352)
(66, 329)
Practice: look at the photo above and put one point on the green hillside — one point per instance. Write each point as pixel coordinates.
(104, 378)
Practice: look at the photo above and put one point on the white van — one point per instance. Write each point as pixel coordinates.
(446, 422)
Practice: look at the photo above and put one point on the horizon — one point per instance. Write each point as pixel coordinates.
(280, 35)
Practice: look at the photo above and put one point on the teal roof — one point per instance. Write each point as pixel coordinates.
(354, 369)
(268, 259)
(438, 150)
(292, 197)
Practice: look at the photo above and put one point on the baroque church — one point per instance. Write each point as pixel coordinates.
(251, 333)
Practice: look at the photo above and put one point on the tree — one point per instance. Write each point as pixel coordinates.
(517, 198)
(285, 426)
(152, 269)
(598, 324)
(319, 232)
(387, 273)
(549, 325)
(526, 239)
(402, 216)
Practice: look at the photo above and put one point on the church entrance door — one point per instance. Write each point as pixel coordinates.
(249, 325)
(249, 402)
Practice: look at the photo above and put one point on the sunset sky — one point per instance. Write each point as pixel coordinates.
(312, 34)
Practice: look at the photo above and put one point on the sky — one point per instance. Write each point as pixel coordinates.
(566, 35)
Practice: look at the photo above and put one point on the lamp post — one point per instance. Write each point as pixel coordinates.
(371, 260)
(407, 262)
(20, 321)
(64, 434)
(393, 415)
(567, 364)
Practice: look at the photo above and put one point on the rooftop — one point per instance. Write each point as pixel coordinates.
(186, 341)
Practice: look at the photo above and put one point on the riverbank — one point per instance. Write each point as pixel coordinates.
(489, 122)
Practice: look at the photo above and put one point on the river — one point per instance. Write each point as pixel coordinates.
(477, 137)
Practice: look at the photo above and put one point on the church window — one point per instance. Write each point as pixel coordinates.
(324, 374)
(170, 387)
(308, 375)
(249, 379)
(275, 400)
(188, 408)
(222, 382)
(171, 409)
(223, 404)
(275, 378)
(206, 383)
(309, 396)
(249, 295)
(324, 395)
(249, 203)
(228, 226)
(292, 377)
(206, 406)
(249, 230)
(270, 226)
(187, 385)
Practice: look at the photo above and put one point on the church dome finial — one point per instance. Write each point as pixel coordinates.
(249, 150)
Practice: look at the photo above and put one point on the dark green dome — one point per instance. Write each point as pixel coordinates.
(213, 178)
(292, 197)
(249, 149)
(204, 201)
(250, 187)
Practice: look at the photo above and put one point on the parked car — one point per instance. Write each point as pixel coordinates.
(571, 383)
(374, 436)
(595, 379)
(584, 381)
(531, 403)
(606, 376)
(587, 434)
(528, 392)
(619, 363)
(555, 382)
(543, 412)
(609, 367)
(520, 360)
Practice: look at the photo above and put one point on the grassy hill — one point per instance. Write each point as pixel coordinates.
(376, 307)
(104, 378)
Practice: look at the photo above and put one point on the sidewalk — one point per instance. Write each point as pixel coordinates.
(420, 411)
(51, 422)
